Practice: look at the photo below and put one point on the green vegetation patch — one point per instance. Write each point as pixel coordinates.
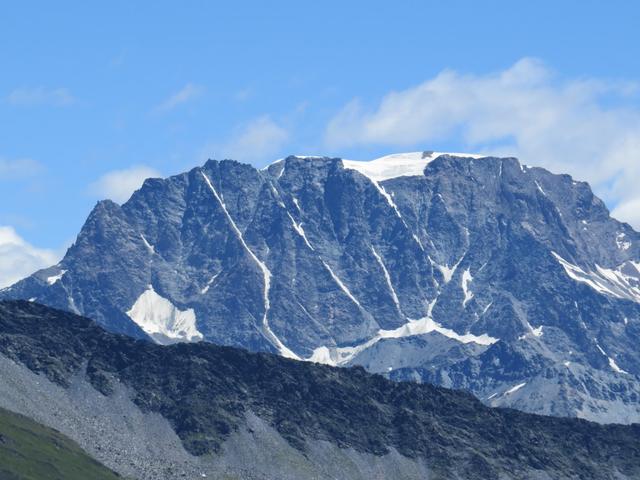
(30, 451)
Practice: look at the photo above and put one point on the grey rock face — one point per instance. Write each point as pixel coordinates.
(480, 274)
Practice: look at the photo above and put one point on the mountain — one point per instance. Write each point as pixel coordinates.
(473, 273)
(29, 451)
(198, 410)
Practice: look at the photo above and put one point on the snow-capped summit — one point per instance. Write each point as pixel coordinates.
(399, 164)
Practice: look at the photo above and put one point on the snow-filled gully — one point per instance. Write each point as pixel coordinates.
(266, 274)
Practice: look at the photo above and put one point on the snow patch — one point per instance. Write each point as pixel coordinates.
(322, 355)
(615, 367)
(72, 305)
(342, 355)
(399, 164)
(447, 272)
(162, 320)
(623, 282)
(467, 278)
(208, 285)
(536, 332)
(612, 363)
(622, 243)
(56, 278)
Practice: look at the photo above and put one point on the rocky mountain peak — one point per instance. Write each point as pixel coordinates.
(471, 272)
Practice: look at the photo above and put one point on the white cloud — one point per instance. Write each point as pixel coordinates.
(118, 185)
(19, 168)
(19, 259)
(574, 126)
(629, 211)
(255, 142)
(185, 94)
(30, 96)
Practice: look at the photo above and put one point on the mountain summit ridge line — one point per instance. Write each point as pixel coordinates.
(479, 273)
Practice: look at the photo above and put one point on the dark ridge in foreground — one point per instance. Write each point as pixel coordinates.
(207, 391)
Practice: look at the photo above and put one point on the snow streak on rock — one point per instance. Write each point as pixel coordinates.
(387, 278)
(56, 278)
(266, 274)
(622, 282)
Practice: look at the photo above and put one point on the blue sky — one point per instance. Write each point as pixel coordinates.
(93, 97)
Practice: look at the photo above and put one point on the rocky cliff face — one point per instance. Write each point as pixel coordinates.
(475, 273)
(205, 411)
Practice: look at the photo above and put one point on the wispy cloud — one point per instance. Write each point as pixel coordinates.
(254, 142)
(19, 259)
(187, 93)
(33, 96)
(14, 169)
(575, 126)
(243, 94)
(118, 185)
